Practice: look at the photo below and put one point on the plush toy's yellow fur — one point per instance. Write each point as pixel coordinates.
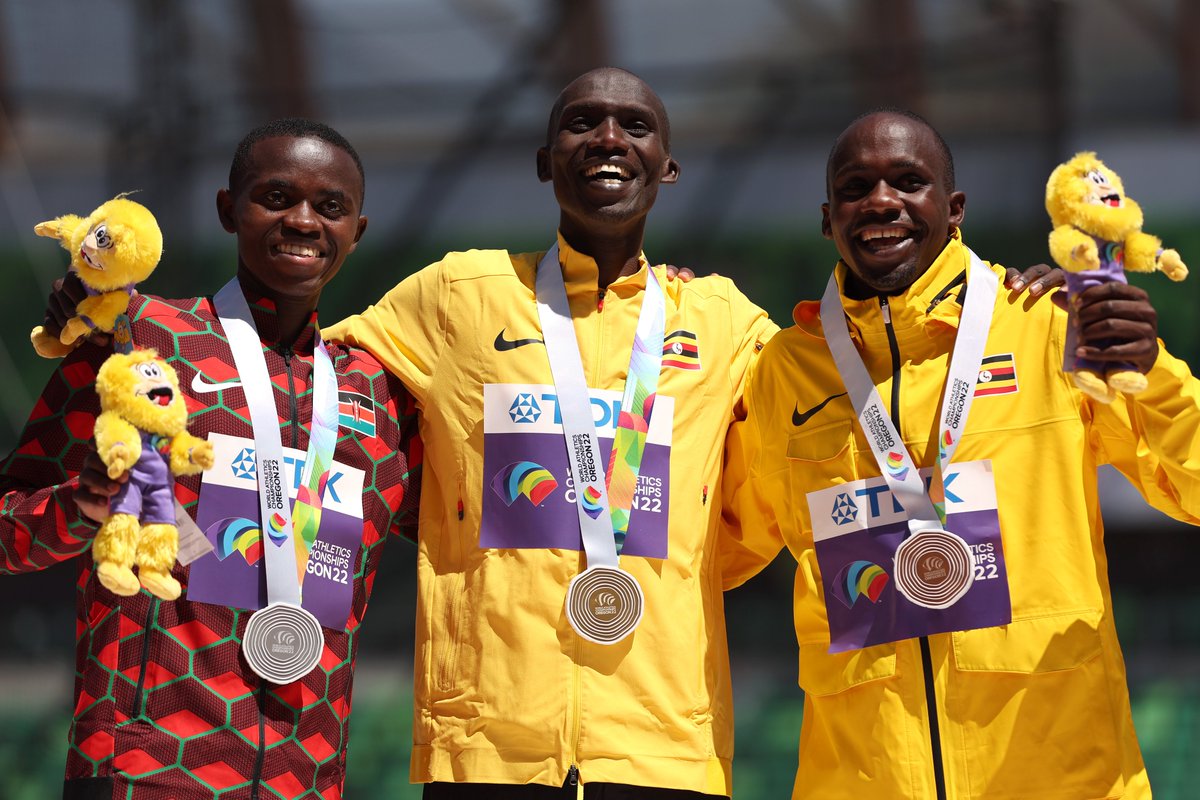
(118, 244)
(1085, 199)
(123, 383)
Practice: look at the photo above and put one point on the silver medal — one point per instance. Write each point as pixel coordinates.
(282, 643)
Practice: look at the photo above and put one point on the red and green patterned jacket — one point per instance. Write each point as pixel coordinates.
(165, 706)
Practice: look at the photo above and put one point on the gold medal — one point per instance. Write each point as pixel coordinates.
(934, 568)
(604, 604)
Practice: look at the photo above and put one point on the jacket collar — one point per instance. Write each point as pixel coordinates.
(934, 297)
(266, 322)
(581, 274)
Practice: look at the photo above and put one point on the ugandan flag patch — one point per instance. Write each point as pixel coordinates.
(356, 412)
(997, 375)
(681, 350)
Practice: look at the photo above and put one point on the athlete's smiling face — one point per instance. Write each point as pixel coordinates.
(891, 209)
(297, 215)
(607, 150)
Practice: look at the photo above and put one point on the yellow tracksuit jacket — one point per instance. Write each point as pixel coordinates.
(506, 691)
(1037, 708)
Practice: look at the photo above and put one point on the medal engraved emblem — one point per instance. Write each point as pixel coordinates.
(604, 604)
(934, 568)
(282, 643)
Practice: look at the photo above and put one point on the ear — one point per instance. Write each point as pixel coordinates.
(826, 228)
(670, 173)
(362, 227)
(543, 164)
(958, 209)
(225, 210)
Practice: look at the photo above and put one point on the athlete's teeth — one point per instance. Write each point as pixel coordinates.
(885, 233)
(618, 171)
(298, 250)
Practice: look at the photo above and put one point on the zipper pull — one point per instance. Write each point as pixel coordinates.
(886, 310)
(573, 776)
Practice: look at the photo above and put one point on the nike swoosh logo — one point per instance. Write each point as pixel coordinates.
(799, 419)
(512, 344)
(201, 386)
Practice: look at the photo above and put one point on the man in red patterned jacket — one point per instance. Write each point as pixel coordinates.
(165, 705)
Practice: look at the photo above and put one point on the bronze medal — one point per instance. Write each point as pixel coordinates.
(604, 604)
(934, 568)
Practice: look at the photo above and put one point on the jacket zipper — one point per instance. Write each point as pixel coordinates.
(573, 781)
(138, 710)
(293, 405)
(931, 703)
(260, 757)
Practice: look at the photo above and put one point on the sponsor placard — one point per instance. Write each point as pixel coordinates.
(857, 529)
(228, 514)
(528, 495)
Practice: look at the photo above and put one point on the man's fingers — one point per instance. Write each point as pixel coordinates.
(1112, 290)
(1107, 315)
(1117, 323)
(93, 477)
(1135, 351)
(1052, 278)
(1038, 279)
(91, 505)
(65, 294)
(682, 273)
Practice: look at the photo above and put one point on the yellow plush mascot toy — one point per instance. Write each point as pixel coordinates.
(142, 428)
(1097, 236)
(116, 246)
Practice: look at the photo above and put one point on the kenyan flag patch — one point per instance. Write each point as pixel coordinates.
(997, 375)
(356, 412)
(681, 350)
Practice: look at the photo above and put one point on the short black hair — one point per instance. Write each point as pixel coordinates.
(294, 128)
(944, 154)
(560, 102)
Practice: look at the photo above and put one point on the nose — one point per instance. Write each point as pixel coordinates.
(608, 135)
(882, 197)
(302, 217)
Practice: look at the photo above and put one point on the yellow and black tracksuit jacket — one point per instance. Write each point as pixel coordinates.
(506, 691)
(1038, 707)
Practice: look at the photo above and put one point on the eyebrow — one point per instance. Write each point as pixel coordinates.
(901, 164)
(280, 183)
(578, 107)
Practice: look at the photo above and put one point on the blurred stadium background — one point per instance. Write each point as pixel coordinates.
(447, 101)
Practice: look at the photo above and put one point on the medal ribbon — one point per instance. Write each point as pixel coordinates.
(604, 505)
(923, 510)
(284, 565)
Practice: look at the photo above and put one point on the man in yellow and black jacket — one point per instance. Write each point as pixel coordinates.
(510, 702)
(1037, 706)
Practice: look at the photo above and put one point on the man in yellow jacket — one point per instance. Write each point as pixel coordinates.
(915, 443)
(512, 700)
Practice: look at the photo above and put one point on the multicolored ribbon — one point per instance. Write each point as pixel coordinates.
(318, 462)
(637, 403)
